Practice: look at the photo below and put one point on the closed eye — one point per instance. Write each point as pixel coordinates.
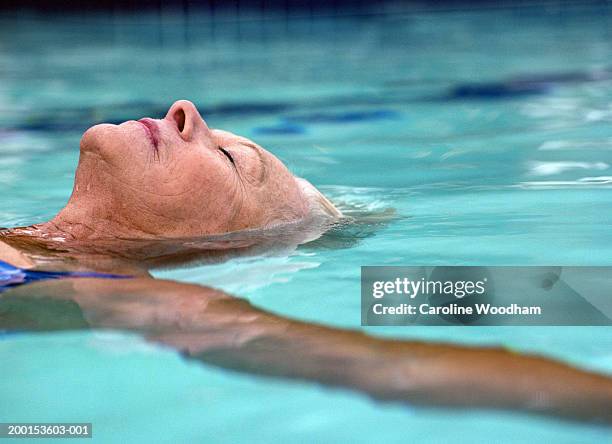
(228, 155)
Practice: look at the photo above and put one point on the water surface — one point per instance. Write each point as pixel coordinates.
(489, 133)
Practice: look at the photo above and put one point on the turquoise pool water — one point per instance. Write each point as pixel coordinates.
(490, 134)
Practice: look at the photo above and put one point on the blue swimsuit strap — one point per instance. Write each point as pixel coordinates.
(11, 276)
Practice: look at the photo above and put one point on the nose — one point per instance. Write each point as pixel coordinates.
(185, 116)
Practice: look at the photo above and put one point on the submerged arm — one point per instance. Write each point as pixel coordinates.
(215, 328)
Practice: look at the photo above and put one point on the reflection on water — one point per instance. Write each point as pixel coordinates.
(583, 182)
(552, 168)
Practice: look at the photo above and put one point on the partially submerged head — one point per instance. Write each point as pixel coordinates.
(176, 177)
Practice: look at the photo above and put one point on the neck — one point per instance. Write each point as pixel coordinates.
(71, 240)
(59, 229)
(86, 224)
(61, 246)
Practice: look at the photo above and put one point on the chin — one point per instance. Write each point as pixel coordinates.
(94, 138)
(111, 142)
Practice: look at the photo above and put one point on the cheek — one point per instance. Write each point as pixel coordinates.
(188, 192)
(193, 188)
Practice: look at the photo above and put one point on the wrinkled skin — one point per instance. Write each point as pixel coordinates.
(167, 192)
(173, 177)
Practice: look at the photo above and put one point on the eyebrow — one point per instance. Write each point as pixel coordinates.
(250, 145)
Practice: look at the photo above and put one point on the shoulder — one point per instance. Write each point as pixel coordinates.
(14, 257)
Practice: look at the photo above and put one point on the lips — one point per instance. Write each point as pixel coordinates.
(151, 129)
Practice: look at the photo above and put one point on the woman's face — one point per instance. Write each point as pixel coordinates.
(177, 177)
